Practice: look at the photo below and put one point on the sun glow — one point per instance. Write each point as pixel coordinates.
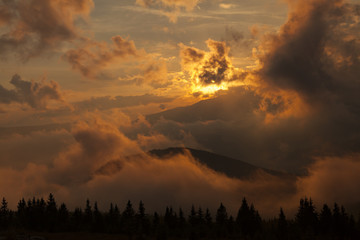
(212, 71)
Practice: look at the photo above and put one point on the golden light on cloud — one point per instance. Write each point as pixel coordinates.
(211, 89)
(211, 71)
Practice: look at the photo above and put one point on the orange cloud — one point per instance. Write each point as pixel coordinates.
(333, 179)
(94, 56)
(104, 165)
(31, 27)
(210, 71)
(171, 8)
(35, 94)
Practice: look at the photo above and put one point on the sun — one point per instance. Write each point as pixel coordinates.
(209, 89)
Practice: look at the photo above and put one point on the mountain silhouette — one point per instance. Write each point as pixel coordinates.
(229, 166)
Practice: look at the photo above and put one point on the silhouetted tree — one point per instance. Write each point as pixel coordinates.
(127, 218)
(325, 220)
(63, 217)
(248, 219)
(282, 226)
(51, 213)
(221, 220)
(142, 221)
(113, 219)
(306, 217)
(181, 223)
(76, 220)
(21, 213)
(98, 224)
(88, 216)
(208, 218)
(4, 215)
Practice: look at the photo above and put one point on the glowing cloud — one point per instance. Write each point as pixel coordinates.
(210, 71)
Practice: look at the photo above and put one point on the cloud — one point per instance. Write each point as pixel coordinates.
(34, 94)
(37, 147)
(99, 162)
(333, 179)
(155, 73)
(226, 5)
(93, 57)
(311, 52)
(104, 165)
(300, 102)
(107, 102)
(210, 71)
(31, 27)
(170, 8)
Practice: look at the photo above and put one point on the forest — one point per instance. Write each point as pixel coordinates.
(46, 216)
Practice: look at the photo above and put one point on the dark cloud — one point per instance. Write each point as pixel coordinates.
(35, 94)
(213, 70)
(30, 27)
(314, 49)
(191, 54)
(91, 58)
(304, 102)
(210, 68)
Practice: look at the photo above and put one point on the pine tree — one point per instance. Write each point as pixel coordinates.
(51, 213)
(221, 221)
(282, 226)
(307, 218)
(325, 220)
(127, 218)
(63, 214)
(98, 224)
(192, 217)
(181, 222)
(4, 215)
(142, 221)
(88, 216)
(221, 215)
(208, 218)
(21, 212)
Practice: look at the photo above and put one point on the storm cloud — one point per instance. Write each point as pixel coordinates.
(34, 94)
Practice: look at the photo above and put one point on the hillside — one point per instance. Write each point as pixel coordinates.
(231, 167)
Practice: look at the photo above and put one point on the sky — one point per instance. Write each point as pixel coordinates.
(90, 84)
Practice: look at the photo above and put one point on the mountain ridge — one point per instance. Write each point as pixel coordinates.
(219, 163)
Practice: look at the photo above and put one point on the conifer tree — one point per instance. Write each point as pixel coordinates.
(98, 224)
(51, 213)
(325, 220)
(221, 221)
(4, 215)
(63, 217)
(208, 218)
(282, 226)
(127, 219)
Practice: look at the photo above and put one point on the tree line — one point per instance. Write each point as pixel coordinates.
(41, 215)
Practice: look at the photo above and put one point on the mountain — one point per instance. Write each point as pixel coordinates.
(236, 103)
(229, 166)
